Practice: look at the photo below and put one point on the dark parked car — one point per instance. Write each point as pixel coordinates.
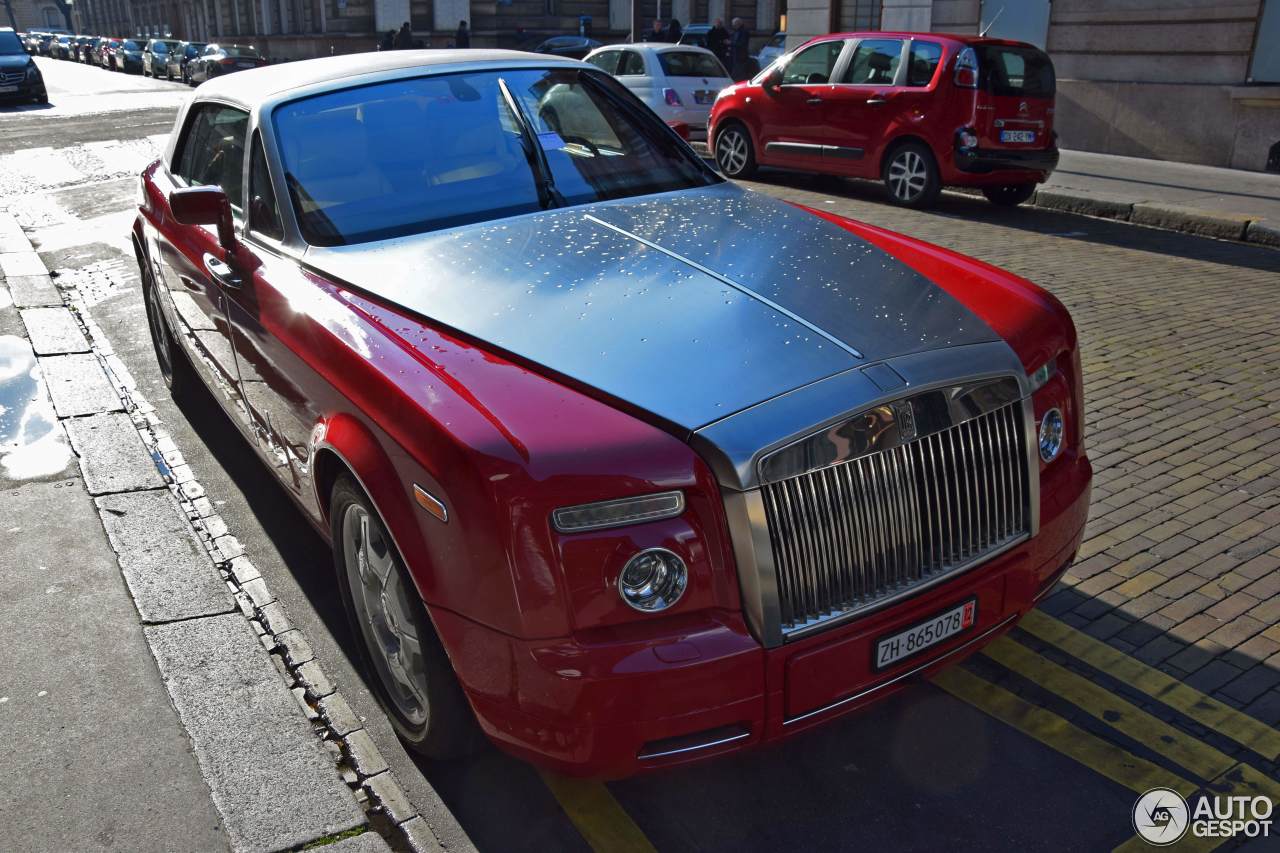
(624, 463)
(573, 47)
(155, 56)
(60, 47)
(219, 59)
(127, 57)
(695, 34)
(20, 79)
(176, 60)
(88, 50)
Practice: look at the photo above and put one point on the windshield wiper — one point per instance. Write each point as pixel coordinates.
(548, 195)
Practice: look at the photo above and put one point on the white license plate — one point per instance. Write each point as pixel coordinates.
(904, 644)
(1017, 136)
(4, 90)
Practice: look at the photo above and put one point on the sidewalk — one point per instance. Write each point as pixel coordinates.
(1225, 203)
(153, 695)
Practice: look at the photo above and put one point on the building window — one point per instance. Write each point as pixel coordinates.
(1265, 64)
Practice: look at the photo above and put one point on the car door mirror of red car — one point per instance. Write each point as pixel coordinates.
(205, 206)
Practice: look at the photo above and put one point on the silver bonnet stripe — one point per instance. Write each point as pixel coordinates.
(735, 285)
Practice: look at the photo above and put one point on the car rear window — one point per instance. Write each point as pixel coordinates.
(242, 52)
(9, 43)
(690, 63)
(131, 45)
(1020, 72)
(357, 169)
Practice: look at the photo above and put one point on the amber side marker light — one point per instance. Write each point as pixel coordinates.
(616, 513)
(430, 503)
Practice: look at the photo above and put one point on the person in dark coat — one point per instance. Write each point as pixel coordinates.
(463, 37)
(658, 33)
(674, 31)
(404, 38)
(388, 40)
(718, 41)
(740, 51)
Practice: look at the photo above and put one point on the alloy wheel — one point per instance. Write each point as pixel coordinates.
(385, 613)
(159, 335)
(908, 175)
(731, 151)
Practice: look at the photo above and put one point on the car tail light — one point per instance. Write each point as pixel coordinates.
(227, 61)
(967, 69)
(672, 97)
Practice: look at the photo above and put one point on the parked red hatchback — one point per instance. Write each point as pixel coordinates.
(917, 110)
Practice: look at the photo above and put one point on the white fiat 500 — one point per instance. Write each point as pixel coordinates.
(679, 82)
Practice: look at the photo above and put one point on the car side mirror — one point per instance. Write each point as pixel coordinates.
(205, 206)
(773, 78)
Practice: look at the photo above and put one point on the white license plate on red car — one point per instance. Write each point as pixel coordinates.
(1017, 136)
(922, 635)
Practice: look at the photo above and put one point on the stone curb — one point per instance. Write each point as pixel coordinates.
(357, 760)
(1185, 218)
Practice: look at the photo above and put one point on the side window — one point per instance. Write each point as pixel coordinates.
(631, 63)
(813, 65)
(264, 213)
(606, 61)
(212, 152)
(875, 62)
(922, 62)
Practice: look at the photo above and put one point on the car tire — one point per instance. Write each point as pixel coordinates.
(1009, 195)
(176, 370)
(415, 682)
(911, 175)
(735, 152)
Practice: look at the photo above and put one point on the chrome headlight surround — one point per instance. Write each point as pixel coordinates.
(653, 580)
(1051, 433)
(618, 513)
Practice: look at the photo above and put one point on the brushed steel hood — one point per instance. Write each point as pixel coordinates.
(691, 306)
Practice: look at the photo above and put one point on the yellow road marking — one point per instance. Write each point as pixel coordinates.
(599, 817)
(1223, 719)
(1155, 734)
(1105, 758)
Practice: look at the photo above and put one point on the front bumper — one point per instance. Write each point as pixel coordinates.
(614, 703)
(27, 90)
(982, 161)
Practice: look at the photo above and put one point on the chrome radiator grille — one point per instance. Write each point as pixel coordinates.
(851, 535)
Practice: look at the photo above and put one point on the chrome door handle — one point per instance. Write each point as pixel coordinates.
(875, 102)
(222, 272)
(814, 101)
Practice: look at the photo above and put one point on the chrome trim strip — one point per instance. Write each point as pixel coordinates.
(796, 318)
(645, 756)
(793, 148)
(1030, 428)
(900, 677)
(642, 518)
(753, 554)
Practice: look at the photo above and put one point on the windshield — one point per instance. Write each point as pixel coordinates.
(9, 43)
(371, 163)
(1020, 72)
(162, 46)
(690, 63)
(194, 49)
(244, 52)
(131, 45)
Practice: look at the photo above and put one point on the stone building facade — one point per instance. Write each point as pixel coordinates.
(31, 14)
(1196, 81)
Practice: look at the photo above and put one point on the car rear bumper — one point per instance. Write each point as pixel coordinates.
(983, 161)
(615, 703)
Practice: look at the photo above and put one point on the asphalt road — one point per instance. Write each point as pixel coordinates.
(921, 770)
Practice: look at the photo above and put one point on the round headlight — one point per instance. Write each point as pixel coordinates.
(1051, 431)
(653, 580)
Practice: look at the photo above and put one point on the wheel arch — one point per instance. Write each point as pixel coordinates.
(897, 142)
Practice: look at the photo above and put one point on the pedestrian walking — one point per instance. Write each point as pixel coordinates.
(404, 38)
(718, 41)
(463, 37)
(740, 50)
